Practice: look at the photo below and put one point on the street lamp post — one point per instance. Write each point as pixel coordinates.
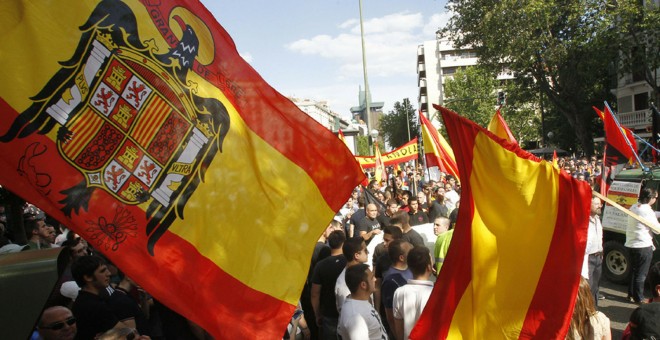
(374, 137)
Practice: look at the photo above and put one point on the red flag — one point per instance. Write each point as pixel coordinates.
(138, 125)
(436, 149)
(479, 293)
(619, 146)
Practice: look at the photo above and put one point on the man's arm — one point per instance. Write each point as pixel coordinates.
(316, 302)
(368, 235)
(398, 328)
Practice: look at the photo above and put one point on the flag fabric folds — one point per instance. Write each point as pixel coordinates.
(480, 292)
(620, 148)
(499, 127)
(555, 159)
(379, 170)
(437, 151)
(139, 126)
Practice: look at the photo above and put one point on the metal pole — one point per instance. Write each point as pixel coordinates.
(366, 79)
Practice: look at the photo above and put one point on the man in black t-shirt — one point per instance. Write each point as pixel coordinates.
(323, 286)
(401, 220)
(417, 216)
(369, 225)
(90, 309)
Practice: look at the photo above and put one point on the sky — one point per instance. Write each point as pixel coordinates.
(311, 49)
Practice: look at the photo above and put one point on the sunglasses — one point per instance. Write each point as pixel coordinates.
(59, 325)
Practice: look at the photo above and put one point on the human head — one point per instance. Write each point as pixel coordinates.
(405, 196)
(52, 235)
(440, 225)
(401, 219)
(359, 277)
(398, 250)
(392, 207)
(413, 203)
(361, 202)
(355, 250)
(121, 334)
(419, 261)
(391, 233)
(336, 239)
(584, 308)
(580, 177)
(448, 187)
(57, 323)
(372, 211)
(36, 228)
(596, 205)
(90, 271)
(334, 225)
(648, 196)
(421, 198)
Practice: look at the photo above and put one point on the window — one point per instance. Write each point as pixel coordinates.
(641, 101)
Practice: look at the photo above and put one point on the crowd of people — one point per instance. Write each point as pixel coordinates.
(343, 297)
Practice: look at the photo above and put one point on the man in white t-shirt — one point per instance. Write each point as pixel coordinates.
(355, 251)
(410, 300)
(358, 319)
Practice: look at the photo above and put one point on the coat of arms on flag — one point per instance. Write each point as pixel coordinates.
(128, 120)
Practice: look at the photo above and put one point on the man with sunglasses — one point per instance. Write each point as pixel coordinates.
(57, 323)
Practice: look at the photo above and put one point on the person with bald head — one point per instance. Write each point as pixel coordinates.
(369, 226)
(57, 323)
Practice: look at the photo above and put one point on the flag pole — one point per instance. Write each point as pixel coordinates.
(626, 139)
(367, 98)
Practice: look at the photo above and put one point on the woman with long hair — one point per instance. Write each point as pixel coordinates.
(587, 322)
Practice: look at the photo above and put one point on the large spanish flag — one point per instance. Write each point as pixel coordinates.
(508, 277)
(138, 125)
(436, 149)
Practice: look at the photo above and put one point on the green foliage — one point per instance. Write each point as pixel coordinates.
(563, 45)
(363, 146)
(393, 127)
(472, 93)
(639, 27)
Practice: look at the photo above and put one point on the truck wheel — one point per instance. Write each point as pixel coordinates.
(616, 262)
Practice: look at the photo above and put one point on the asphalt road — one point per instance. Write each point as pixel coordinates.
(615, 306)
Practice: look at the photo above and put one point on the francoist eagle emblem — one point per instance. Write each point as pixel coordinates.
(128, 118)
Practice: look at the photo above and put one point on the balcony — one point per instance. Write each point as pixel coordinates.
(636, 120)
(422, 82)
(421, 68)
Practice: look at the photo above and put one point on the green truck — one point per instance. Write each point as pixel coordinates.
(625, 191)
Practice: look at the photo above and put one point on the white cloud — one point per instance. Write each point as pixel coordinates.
(437, 21)
(391, 43)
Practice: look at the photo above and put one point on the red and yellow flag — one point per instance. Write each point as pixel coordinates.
(436, 149)
(138, 125)
(499, 127)
(404, 153)
(480, 292)
(555, 160)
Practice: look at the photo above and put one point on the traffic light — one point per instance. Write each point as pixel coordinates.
(501, 98)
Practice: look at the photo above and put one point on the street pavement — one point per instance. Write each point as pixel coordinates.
(616, 306)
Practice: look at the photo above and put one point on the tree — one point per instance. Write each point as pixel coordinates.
(472, 93)
(562, 44)
(475, 91)
(393, 127)
(637, 26)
